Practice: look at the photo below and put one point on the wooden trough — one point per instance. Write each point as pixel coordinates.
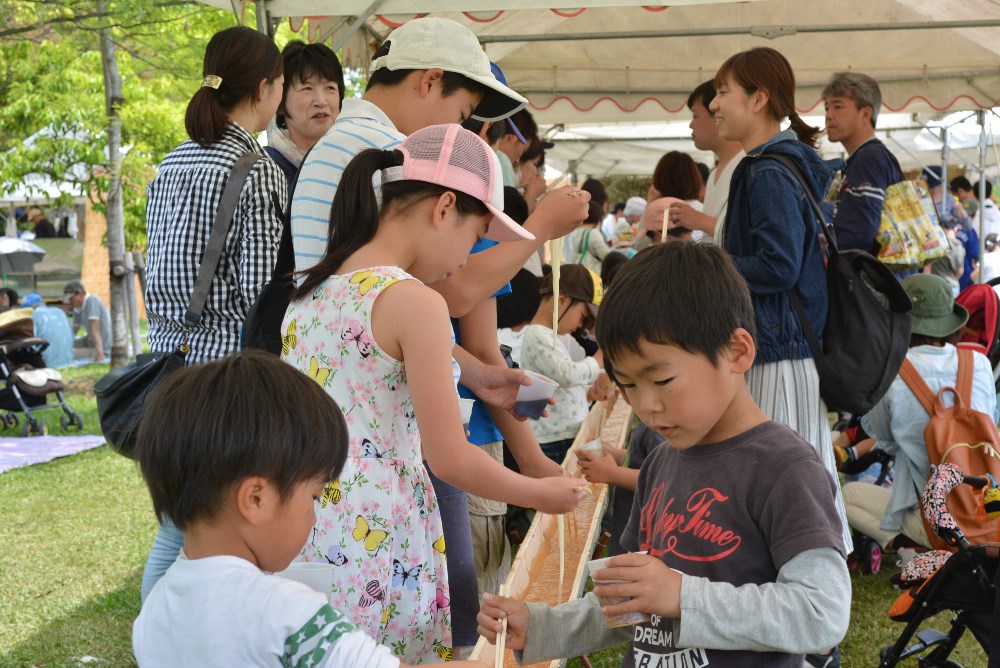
(534, 575)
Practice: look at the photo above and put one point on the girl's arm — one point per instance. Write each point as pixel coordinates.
(478, 331)
(538, 354)
(414, 319)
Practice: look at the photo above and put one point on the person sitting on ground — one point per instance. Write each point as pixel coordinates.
(52, 325)
(90, 313)
(754, 583)
(892, 517)
(244, 493)
(579, 291)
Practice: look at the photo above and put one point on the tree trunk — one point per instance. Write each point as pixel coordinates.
(115, 214)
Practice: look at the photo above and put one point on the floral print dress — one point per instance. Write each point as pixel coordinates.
(378, 524)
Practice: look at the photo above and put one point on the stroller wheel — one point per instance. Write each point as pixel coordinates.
(64, 423)
(78, 421)
(41, 430)
(873, 558)
(10, 420)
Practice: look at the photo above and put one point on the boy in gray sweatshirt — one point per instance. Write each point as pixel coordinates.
(745, 563)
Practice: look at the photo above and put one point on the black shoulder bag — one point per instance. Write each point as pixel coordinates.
(868, 322)
(122, 393)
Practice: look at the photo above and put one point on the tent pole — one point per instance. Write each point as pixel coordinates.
(264, 24)
(981, 116)
(888, 135)
(358, 22)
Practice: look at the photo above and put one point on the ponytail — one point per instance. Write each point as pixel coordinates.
(356, 210)
(807, 134)
(238, 59)
(205, 120)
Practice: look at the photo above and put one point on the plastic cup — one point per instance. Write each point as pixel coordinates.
(318, 577)
(595, 445)
(614, 621)
(533, 399)
(465, 406)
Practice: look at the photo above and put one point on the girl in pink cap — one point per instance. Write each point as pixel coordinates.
(365, 326)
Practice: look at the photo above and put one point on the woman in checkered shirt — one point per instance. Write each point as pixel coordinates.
(238, 97)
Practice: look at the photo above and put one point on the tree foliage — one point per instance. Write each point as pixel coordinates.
(52, 90)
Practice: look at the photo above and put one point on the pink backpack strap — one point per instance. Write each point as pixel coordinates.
(912, 378)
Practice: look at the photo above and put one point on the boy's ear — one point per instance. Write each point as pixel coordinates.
(253, 498)
(484, 130)
(741, 352)
(428, 80)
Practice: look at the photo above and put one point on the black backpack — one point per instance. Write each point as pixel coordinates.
(868, 323)
(262, 327)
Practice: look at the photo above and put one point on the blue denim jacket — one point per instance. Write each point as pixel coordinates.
(773, 237)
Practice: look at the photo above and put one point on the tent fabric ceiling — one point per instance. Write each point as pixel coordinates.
(574, 76)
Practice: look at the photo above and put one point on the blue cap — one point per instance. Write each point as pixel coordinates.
(511, 128)
(31, 299)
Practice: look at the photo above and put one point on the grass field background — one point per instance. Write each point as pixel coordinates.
(74, 535)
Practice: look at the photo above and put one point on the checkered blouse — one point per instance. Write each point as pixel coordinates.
(180, 207)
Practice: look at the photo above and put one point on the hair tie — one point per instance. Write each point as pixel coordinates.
(211, 81)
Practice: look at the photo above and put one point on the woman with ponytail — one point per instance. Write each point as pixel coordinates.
(365, 326)
(237, 98)
(772, 234)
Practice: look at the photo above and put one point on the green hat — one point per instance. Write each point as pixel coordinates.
(935, 312)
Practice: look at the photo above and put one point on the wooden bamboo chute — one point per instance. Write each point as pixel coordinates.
(534, 575)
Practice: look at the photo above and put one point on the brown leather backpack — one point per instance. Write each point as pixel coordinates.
(964, 437)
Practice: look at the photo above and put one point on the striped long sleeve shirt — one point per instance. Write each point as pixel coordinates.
(180, 208)
(361, 125)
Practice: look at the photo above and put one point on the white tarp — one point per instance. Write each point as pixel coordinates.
(930, 57)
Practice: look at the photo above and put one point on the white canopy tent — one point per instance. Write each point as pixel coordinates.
(609, 79)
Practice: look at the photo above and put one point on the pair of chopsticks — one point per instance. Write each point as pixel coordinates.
(498, 661)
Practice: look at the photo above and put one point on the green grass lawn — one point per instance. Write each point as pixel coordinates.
(74, 535)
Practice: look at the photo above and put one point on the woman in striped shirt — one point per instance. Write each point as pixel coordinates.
(239, 95)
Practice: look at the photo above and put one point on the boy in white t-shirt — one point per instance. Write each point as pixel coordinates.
(236, 453)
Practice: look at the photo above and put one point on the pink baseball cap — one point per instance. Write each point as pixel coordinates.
(452, 157)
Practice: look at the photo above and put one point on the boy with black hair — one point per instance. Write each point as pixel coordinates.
(236, 453)
(745, 563)
(429, 71)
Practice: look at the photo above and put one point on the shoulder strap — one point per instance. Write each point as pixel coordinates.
(963, 382)
(220, 228)
(584, 245)
(827, 229)
(793, 294)
(920, 389)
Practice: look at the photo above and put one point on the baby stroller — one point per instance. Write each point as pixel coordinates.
(964, 582)
(982, 332)
(26, 380)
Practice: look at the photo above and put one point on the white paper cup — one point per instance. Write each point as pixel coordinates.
(629, 619)
(465, 406)
(595, 445)
(533, 399)
(318, 577)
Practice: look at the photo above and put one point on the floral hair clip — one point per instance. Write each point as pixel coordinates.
(211, 81)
